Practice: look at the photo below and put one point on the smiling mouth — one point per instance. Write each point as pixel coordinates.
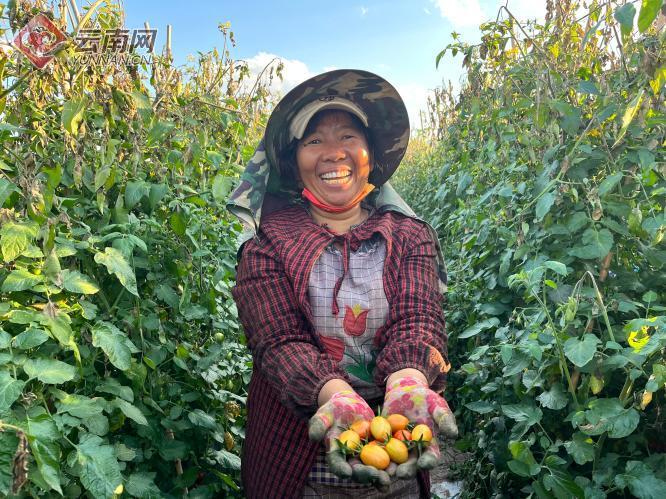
(337, 177)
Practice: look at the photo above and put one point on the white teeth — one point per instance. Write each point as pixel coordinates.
(335, 181)
(335, 175)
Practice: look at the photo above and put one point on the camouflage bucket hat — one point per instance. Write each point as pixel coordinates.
(380, 102)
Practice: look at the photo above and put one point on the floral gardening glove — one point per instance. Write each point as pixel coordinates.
(412, 398)
(332, 418)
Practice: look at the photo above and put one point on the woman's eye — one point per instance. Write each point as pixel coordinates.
(312, 142)
(348, 136)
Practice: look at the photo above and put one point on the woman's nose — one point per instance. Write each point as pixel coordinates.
(334, 152)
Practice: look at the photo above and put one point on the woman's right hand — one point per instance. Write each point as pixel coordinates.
(342, 409)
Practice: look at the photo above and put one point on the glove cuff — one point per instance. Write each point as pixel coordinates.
(408, 382)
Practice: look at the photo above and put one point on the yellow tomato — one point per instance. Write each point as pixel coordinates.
(397, 450)
(397, 422)
(421, 433)
(376, 456)
(351, 439)
(380, 428)
(362, 427)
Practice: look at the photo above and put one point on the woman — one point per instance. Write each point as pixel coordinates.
(339, 290)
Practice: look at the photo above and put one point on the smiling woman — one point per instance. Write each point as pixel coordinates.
(332, 236)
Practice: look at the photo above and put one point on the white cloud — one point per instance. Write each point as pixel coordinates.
(415, 97)
(427, 10)
(293, 73)
(461, 13)
(364, 11)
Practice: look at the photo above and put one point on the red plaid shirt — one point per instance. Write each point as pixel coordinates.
(290, 362)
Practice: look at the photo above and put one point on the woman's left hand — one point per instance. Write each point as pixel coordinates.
(412, 398)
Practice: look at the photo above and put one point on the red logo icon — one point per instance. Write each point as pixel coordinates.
(39, 39)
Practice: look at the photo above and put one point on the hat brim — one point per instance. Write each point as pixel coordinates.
(388, 121)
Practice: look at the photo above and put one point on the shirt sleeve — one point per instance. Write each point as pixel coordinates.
(278, 333)
(415, 334)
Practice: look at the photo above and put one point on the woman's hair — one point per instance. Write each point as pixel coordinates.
(288, 164)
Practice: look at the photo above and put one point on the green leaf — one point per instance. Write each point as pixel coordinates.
(72, 114)
(523, 463)
(100, 472)
(171, 450)
(76, 282)
(597, 244)
(221, 187)
(158, 131)
(156, 194)
(555, 398)
(115, 344)
(178, 223)
(227, 459)
(43, 438)
(124, 453)
(629, 115)
(523, 412)
(587, 87)
(581, 448)
(142, 485)
(200, 418)
(134, 191)
(50, 371)
(625, 16)
(557, 267)
(8, 445)
(14, 238)
(130, 411)
(480, 406)
(115, 263)
(580, 352)
(641, 481)
(6, 189)
(10, 390)
(562, 485)
(20, 280)
(80, 406)
(478, 327)
(544, 204)
(113, 386)
(648, 13)
(609, 183)
(5, 339)
(609, 415)
(141, 101)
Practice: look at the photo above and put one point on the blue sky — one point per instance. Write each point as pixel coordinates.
(397, 39)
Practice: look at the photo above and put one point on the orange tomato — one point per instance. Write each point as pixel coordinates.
(421, 433)
(380, 428)
(362, 427)
(403, 435)
(375, 442)
(397, 422)
(376, 456)
(397, 450)
(351, 439)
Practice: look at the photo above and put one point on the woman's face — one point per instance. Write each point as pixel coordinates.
(333, 158)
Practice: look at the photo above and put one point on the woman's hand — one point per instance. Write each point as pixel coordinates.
(411, 397)
(333, 417)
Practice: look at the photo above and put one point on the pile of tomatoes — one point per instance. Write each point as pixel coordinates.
(384, 440)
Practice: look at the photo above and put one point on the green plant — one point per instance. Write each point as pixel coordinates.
(548, 191)
(117, 263)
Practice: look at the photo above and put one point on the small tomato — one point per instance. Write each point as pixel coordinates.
(362, 427)
(376, 456)
(397, 450)
(397, 422)
(421, 433)
(380, 428)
